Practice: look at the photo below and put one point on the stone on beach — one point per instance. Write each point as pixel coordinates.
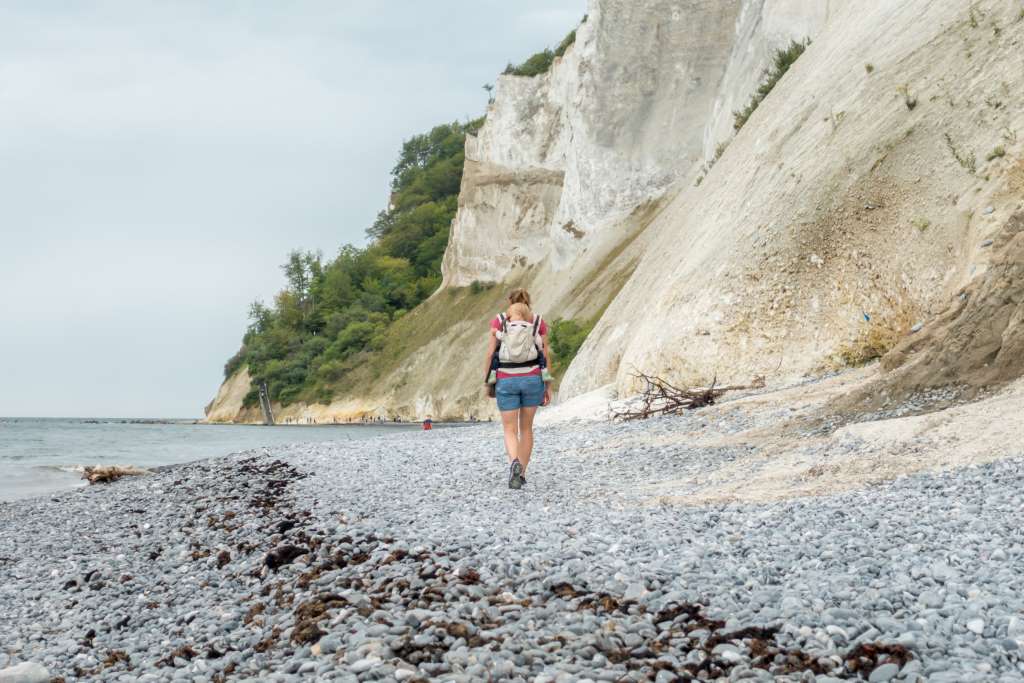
(26, 672)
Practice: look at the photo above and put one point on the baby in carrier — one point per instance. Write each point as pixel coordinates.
(519, 342)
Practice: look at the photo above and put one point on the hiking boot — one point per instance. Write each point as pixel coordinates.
(522, 478)
(515, 477)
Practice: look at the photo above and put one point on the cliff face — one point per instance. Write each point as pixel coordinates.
(227, 405)
(644, 95)
(854, 202)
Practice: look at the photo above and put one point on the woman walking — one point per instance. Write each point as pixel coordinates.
(518, 356)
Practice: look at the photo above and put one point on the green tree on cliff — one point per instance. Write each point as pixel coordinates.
(332, 312)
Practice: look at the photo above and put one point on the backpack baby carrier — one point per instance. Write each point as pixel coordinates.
(519, 346)
(519, 343)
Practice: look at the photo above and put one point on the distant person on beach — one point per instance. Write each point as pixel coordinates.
(428, 424)
(517, 361)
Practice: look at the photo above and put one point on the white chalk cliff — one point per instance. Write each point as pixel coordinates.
(644, 95)
(860, 191)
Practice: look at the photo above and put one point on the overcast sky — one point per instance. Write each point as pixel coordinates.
(159, 159)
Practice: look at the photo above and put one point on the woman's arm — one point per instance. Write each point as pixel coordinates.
(547, 385)
(491, 345)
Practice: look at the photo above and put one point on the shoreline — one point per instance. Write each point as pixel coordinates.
(407, 424)
(406, 557)
(42, 457)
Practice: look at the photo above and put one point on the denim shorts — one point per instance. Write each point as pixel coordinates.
(514, 393)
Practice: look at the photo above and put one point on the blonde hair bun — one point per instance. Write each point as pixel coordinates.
(519, 296)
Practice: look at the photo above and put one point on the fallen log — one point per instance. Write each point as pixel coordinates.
(660, 397)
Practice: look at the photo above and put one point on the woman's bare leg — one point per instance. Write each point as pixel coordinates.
(510, 423)
(525, 435)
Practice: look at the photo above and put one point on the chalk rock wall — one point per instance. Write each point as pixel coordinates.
(633, 106)
(227, 405)
(856, 202)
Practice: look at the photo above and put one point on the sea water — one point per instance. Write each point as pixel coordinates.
(43, 455)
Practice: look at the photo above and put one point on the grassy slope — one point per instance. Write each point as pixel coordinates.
(411, 363)
(433, 319)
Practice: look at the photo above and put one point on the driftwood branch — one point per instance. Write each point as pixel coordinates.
(104, 474)
(660, 397)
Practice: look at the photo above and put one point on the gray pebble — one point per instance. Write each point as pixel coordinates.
(884, 673)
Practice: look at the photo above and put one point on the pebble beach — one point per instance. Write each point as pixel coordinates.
(406, 557)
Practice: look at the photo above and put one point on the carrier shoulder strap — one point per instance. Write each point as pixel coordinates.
(503, 320)
(536, 324)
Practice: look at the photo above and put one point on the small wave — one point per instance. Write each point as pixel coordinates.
(80, 469)
(74, 469)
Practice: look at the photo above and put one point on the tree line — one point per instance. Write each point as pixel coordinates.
(334, 310)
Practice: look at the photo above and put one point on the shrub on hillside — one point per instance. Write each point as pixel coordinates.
(535, 65)
(234, 363)
(540, 63)
(567, 42)
(882, 332)
(566, 337)
(781, 62)
(480, 286)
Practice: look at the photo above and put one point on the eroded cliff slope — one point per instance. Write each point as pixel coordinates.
(853, 205)
(643, 97)
(856, 202)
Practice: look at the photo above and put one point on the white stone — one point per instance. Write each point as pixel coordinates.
(884, 673)
(365, 664)
(26, 672)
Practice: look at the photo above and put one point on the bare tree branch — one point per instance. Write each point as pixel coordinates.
(660, 397)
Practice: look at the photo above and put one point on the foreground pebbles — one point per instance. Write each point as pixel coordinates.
(407, 558)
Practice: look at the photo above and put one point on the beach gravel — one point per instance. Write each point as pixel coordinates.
(408, 558)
